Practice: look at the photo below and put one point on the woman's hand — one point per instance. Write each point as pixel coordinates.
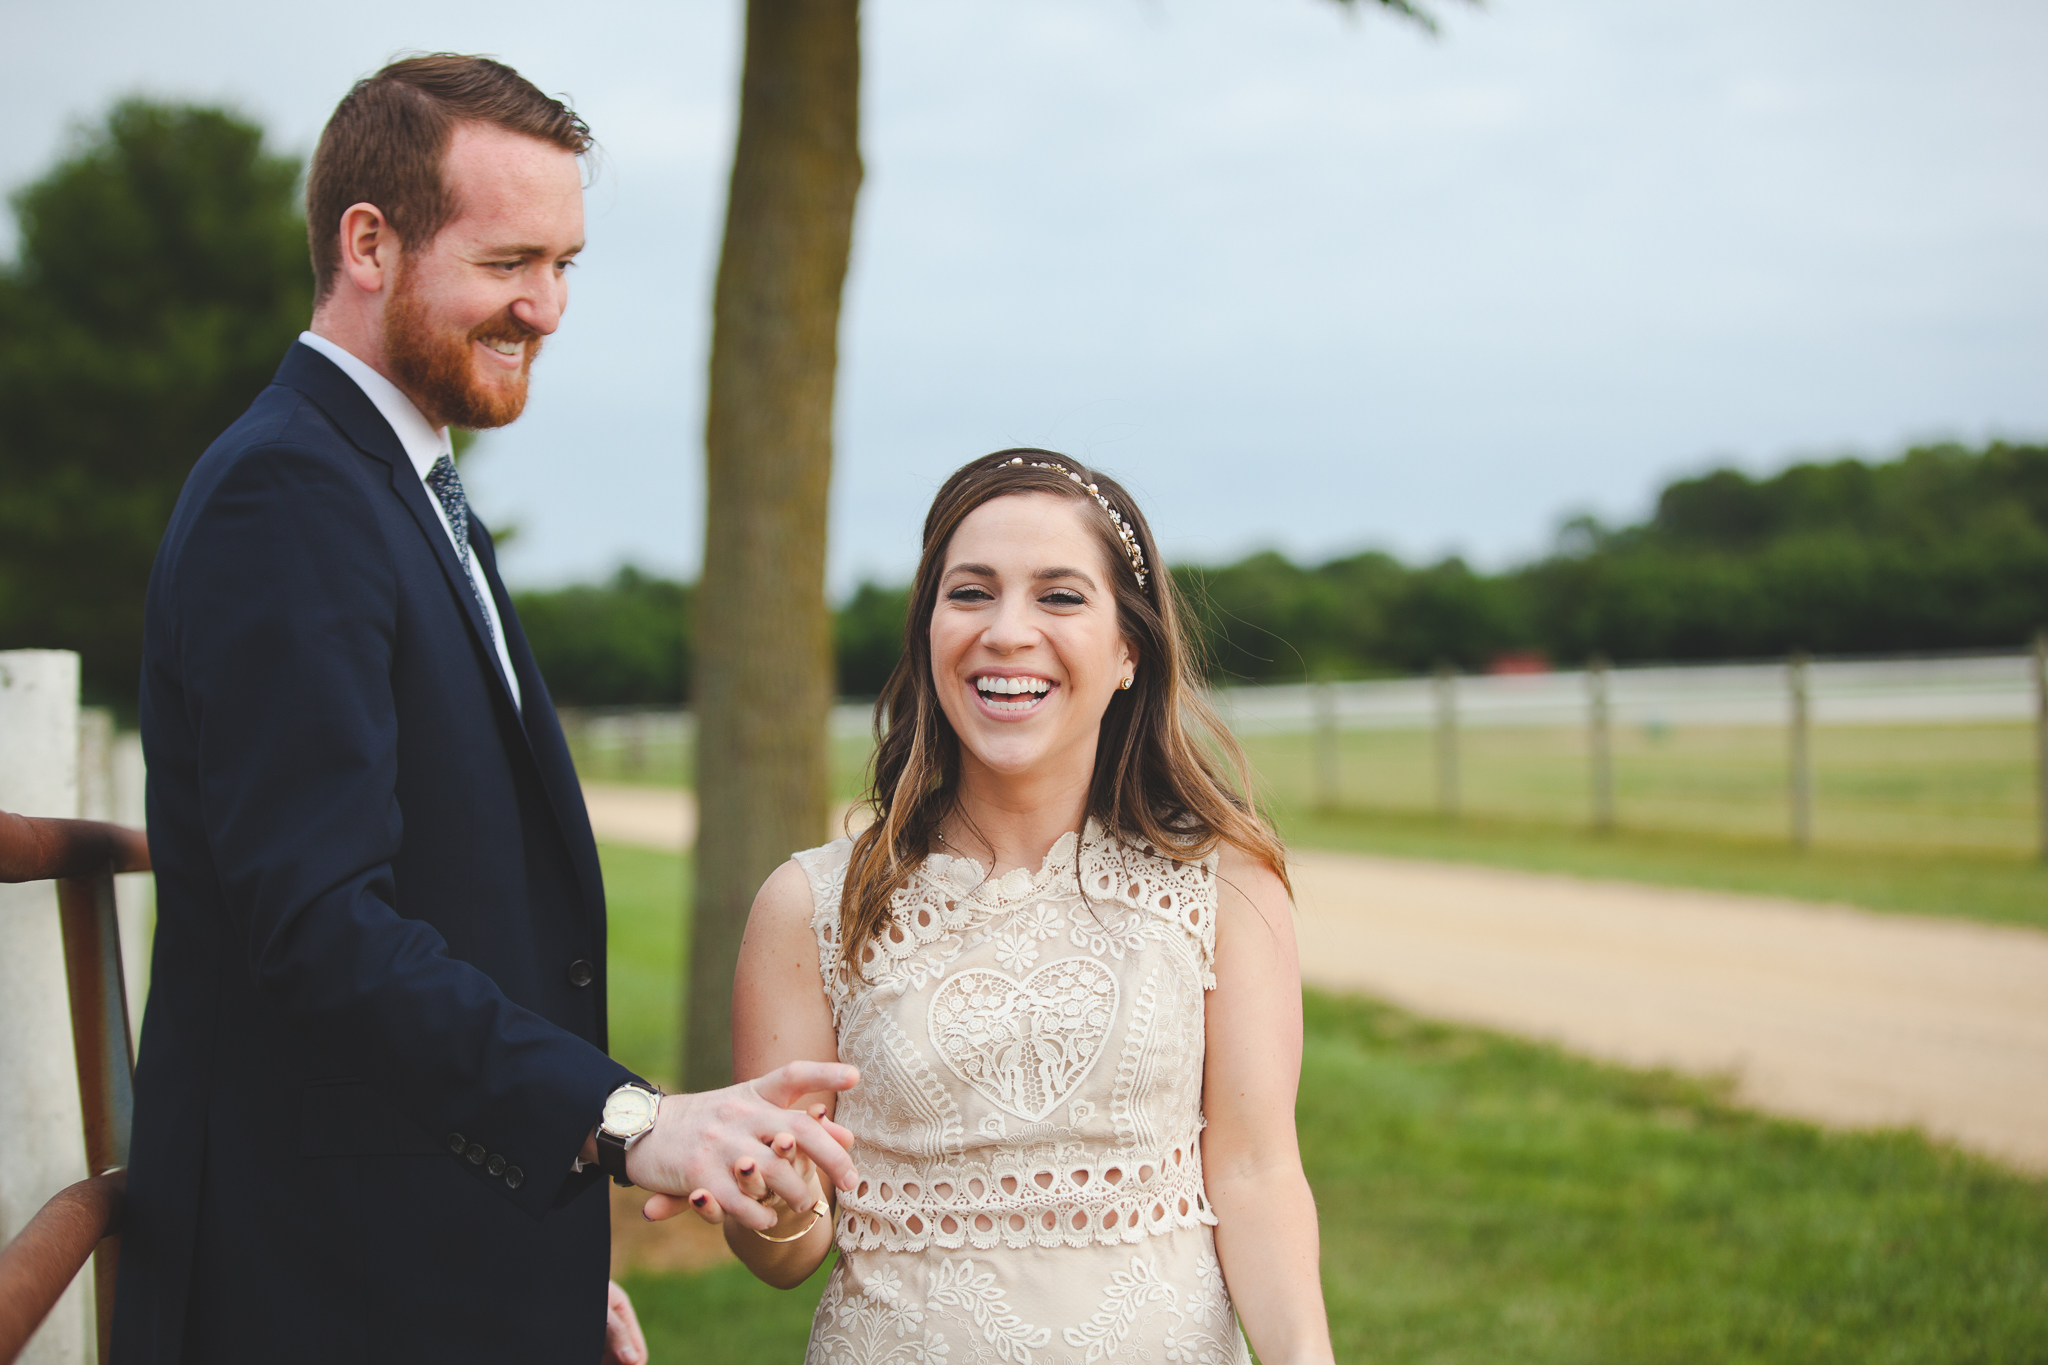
(623, 1342)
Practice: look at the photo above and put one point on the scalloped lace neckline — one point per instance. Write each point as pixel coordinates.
(966, 879)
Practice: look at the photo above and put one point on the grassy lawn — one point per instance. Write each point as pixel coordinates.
(646, 895)
(655, 758)
(1485, 1199)
(672, 763)
(723, 1317)
(2007, 888)
(1995, 882)
(1936, 788)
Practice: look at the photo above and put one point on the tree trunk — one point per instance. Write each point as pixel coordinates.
(764, 654)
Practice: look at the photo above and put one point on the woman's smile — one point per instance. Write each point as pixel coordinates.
(1010, 694)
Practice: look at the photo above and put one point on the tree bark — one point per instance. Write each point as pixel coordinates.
(764, 656)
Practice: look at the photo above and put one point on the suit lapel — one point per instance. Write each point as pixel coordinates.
(405, 481)
(544, 730)
(320, 379)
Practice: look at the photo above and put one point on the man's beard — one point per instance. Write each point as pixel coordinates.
(436, 367)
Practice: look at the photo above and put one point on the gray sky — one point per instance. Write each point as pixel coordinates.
(1301, 279)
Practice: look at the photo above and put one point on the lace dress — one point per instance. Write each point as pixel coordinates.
(1029, 1115)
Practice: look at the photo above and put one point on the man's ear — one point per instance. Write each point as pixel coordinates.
(369, 248)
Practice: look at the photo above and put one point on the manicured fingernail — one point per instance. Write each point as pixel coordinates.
(700, 1199)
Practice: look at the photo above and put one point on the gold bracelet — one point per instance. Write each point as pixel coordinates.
(817, 1212)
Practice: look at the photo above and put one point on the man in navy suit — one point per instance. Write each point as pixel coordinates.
(373, 1106)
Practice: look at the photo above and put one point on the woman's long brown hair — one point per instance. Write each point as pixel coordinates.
(1168, 772)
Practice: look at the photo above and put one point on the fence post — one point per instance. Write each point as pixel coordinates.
(110, 788)
(1600, 736)
(134, 892)
(1445, 686)
(1327, 772)
(2041, 732)
(1801, 750)
(636, 741)
(95, 763)
(575, 723)
(42, 1144)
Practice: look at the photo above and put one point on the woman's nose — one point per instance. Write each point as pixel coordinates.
(1009, 629)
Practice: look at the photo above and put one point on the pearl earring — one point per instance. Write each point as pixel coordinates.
(1125, 685)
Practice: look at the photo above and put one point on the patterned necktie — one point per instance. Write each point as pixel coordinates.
(447, 486)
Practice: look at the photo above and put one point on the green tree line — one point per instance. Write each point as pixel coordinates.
(160, 274)
(1940, 548)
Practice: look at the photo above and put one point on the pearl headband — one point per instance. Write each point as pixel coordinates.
(1124, 533)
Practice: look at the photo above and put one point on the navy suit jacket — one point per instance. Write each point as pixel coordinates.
(375, 1037)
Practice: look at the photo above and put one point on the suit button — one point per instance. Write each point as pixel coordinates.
(456, 1142)
(581, 973)
(514, 1177)
(476, 1154)
(496, 1165)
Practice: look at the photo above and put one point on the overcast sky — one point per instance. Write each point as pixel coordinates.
(1302, 279)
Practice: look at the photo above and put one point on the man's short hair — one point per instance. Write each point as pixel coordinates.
(389, 136)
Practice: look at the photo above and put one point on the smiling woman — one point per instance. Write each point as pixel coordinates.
(1034, 606)
(1027, 649)
(1062, 960)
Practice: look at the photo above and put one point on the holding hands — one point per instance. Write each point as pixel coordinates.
(744, 1153)
(792, 1218)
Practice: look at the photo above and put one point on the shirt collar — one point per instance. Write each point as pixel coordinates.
(423, 444)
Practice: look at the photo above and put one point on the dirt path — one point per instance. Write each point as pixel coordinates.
(649, 817)
(1820, 1012)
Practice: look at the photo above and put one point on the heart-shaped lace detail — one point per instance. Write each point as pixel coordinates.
(1025, 1045)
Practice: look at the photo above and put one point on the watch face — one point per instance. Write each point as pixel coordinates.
(629, 1111)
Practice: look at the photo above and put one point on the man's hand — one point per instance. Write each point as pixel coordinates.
(702, 1144)
(623, 1342)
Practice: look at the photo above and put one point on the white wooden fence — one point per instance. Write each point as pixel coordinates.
(56, 759)
(1798, 695)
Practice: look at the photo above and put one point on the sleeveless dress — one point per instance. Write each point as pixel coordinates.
(1029, 1116)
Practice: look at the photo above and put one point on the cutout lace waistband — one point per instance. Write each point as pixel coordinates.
(1017, 1200)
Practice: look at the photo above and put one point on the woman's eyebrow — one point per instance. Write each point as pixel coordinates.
(978, 570)
(1081, 574)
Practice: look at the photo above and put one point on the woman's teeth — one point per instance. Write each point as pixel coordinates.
(1011, 694)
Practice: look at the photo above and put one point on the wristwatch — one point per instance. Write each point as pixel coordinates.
(628, 1116)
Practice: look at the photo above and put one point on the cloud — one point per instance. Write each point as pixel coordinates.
(1304, 279)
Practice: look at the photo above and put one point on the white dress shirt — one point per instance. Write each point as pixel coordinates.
(423, 445)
